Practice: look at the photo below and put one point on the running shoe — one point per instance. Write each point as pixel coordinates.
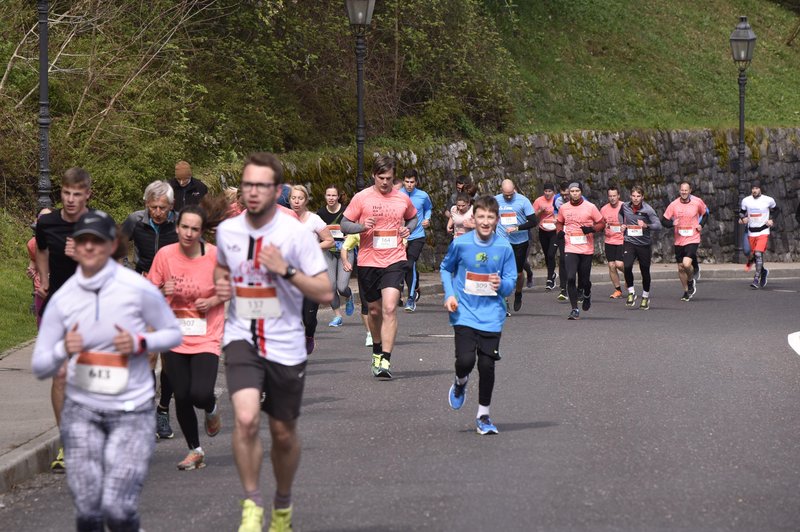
(368, 340)
(411, 305)
(697, 272)
(193, 460)
(686, 296)
(574, 314)
(163, 429)
(457, 395)
(762, 282)
(376, 364)
(350, 305)
(58, 465)
(645, 304)
(549, 285)
(562, 296)
(508, 311)
(252, 517)
(631, 300)
(756, 284)
(529, 281)
(692, 288)
(517, 301)
(281, 520)
(587, 303)
(213, 423)
(615, 295)
(336, 322)
(385, 372)
(581, 295)
(485, 425)
(310, 344)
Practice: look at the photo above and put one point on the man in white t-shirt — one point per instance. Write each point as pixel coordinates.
(757, 212)
(266, 263)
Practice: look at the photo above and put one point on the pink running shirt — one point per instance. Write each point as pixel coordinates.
(686, 217)
(574, 217)
(613, 230)
(547, 220)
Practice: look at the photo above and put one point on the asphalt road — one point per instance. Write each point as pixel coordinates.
(684, 417)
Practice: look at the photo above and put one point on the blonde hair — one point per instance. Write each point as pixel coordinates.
(301, 188)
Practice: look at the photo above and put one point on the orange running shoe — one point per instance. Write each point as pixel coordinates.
(616, 295)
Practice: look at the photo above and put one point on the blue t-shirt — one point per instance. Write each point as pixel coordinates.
(422, 202)
(522, 208)
(468, 253)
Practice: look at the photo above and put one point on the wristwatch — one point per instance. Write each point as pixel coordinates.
(290, 272)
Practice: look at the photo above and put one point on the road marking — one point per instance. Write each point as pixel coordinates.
(794, 341)
(432, 335)
(786, 291)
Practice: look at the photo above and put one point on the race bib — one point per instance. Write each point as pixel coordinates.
(478, 284)
(191, 321)
(757, 219)
(257, 302)
(336, 232)
(105, 373)
(508, 218)
(578, 239)
(614, 228)
(635, 230)
(549, 225)
(686, 231)
(384, 239)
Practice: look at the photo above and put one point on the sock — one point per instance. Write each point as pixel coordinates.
(386, 354)
(630, 290)
(483, 411)
(162, 409)
(645, 294)
(255, 496)
(462, 381)
(617, 289)
(281, 502)
(199, 450)
(377, 347)
(214, 411)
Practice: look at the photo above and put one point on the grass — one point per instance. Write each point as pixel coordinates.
(17, 324)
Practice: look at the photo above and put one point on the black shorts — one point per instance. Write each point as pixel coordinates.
(689, 250)
(281, 386)
(613, 252)
(373, 280)
(520, 255)
(470, 341)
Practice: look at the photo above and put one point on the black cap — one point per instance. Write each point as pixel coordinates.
(549, 186)
(96, 223)
(755, 184)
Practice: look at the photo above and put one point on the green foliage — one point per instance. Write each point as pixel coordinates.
(17, 324)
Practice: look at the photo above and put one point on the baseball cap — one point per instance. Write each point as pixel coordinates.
(96, 223)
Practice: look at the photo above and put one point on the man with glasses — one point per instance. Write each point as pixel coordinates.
(266, 263)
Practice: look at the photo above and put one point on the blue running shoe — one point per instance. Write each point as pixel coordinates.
(350, 306)
(762, 281)
(336, 322)
(457, 395)
(411, 305)
(485, 425)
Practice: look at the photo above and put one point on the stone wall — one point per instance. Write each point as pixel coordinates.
(658, 160)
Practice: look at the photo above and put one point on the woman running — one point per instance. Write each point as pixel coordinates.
(104, 320)
(331, 214)
(184, 272)
(460, 220)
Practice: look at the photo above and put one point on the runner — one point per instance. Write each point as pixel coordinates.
(614, 239)
(516, 217)
(55, 263)
(331, 213)
(687, 214)
(151, 229)
(102, 323)
(266, 263)
(187, 190)
(184, 272)
(639, 221)
(561, 198)
(578, 220)
(544, 209)
(478, 272)
(757, 212)
(30, 271)
(461, 183)
(384, 217)
(416, 240)
(461, 220)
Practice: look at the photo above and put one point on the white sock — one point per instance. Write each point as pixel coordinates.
(645, 294)
(200, 450)
(630, 290)
(483, 411)
(462, 381)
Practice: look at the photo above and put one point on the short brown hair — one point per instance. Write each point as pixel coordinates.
(77, 177)
(268, 160)
(383, 164)
(637, 188)
(487, 203)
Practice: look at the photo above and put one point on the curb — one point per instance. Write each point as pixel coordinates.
(28, 460)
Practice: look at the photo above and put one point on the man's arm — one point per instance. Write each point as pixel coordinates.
(350, 227)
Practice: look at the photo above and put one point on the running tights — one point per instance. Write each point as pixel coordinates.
(310, 309)
(549, 247)
(579, 275)
(643, 254)
(340, 279)
(193, 378)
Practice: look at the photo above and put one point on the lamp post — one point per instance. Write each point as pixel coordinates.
(360, 14)
(45, 186)
(743, 42)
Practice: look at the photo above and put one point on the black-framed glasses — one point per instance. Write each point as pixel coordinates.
(260, 187)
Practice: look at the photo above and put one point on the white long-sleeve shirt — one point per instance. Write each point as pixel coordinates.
(115, 296)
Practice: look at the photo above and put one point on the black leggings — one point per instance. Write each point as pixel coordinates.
(632, 252)
(562, 270)
(413, 251)
(471, 344)
(193, 378)
(548, 241)
(310, 309)
(579, 275)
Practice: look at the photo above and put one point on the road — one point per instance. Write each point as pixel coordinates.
(684, 417)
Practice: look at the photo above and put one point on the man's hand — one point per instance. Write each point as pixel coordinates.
(69, 249)
(403, 232)
(270, 256)
(44, 287)
(494, 281)
(223, 287)
(744, 220)
(73, 341)
(123, 341)
(369, 223)
(451, 304)
(426, 224)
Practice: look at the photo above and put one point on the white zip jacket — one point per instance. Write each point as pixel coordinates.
(115, 296)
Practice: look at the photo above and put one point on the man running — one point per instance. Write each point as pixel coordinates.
(757, 212)
(478, 272)
(55, 263)
(544, 209)
(687, 214)
(266, 263)
(416, 240)
(639, 221)
(516, 217)
(613, 239)
(579, 220)
(384, 217)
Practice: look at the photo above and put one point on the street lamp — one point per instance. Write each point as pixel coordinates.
(743, 42)
(360, 14)
(45, 186)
